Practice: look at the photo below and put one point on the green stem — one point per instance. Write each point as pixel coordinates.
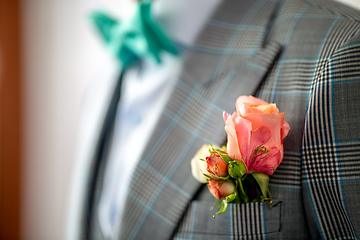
(243, 194)
(237, 199)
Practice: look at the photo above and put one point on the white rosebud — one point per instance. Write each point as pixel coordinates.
(197, 165)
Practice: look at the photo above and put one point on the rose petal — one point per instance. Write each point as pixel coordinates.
(213, 188)
(272, 121)
(260, 137)
(246, 108)
(226, 188)
(248, 99)
(267, 163)
(285, 128)
(243, 129)
(225, 116)
(233, 148)
(268, 108)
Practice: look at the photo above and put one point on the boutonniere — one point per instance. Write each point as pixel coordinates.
(240, 170)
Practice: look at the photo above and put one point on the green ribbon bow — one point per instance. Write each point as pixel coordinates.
(136, 38)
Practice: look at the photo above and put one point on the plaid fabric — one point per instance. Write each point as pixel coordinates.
(253, 220)
(331, 149)
(162, 185)
(302, 55)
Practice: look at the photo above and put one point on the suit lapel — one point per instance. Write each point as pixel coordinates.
(215, 73)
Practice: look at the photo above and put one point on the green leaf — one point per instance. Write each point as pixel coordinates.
(236, 169)
(212, 147)
(223, 206)
(215, 178)
(208, 176)
(226, 158)
(224, 178)
(219, 151)
(216, 203)
(231, 197)
(263, 181)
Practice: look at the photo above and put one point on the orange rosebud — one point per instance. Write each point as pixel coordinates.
(216, 165)
(221, 188)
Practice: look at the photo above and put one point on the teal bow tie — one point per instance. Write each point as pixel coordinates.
(136, 38)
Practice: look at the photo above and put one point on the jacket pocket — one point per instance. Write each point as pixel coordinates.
(240, 220)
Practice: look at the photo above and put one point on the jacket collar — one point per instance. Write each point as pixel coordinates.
(337, 8)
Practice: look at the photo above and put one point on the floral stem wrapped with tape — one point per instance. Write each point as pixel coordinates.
(240, 171)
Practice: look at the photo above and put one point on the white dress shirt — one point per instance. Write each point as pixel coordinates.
(144, 94)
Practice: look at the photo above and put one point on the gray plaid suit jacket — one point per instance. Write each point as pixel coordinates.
(305, 57)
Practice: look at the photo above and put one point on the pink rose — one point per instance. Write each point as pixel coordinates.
(255, 134)
(221, 188)
(216, 165)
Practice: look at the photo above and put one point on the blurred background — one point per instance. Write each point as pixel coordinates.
(49, 54)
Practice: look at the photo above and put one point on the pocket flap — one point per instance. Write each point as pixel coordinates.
(250, 219)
